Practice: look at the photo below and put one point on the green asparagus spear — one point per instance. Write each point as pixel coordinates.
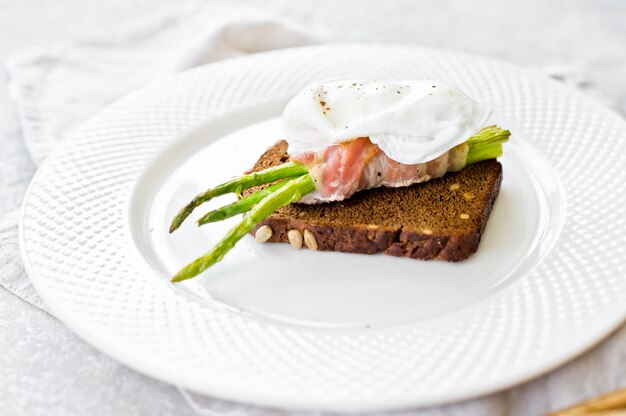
(240, 206)
(286, 170)
(486, 144)
(489, 134)
(290, 192)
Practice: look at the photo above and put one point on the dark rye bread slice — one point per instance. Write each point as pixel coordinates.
(440, 219)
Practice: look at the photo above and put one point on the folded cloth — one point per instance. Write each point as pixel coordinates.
(103, 69)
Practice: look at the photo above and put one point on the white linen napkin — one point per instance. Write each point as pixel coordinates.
(58, 87)
(102, 69)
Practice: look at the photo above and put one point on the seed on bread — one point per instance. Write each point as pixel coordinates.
(310, 240)
(295, 238)
(263, 234)
(454, 186)
(468, 196)
(464, 216)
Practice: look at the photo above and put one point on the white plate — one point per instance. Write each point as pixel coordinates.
(299, 329)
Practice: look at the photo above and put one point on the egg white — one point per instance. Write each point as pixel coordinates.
(411, 121)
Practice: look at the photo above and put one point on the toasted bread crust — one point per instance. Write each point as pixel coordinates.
(442, 219)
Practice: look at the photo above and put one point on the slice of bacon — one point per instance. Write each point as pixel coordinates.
(341, 170)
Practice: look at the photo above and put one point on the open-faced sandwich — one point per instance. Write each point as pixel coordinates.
(404, 168)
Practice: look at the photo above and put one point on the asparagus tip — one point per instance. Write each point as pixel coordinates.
(175, 224)
(178, 278)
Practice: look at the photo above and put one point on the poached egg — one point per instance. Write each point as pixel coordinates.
(411, 121)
